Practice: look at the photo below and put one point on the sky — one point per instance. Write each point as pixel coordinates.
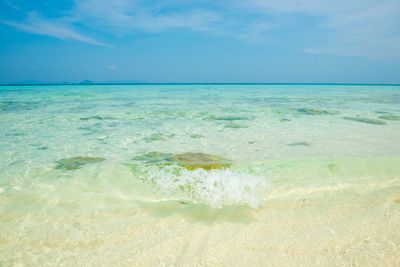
(183, 41)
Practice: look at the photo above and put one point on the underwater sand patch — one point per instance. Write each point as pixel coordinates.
(76, 162)
(365, 120)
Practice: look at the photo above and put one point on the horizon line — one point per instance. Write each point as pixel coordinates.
(196, 83)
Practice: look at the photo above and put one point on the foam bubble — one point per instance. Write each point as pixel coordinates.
(216, 188)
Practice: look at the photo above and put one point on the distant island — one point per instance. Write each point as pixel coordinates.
(84, 82)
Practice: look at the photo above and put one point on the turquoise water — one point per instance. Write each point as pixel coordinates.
(303, 149)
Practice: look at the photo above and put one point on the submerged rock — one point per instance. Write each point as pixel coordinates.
(8, 106)
(154, 157)
(196, 135)
(155, 137)
(159, 137)
(15, 134)
(228, 118)
(189, 160)
(92, 128)
(76, 163)
(235, 125)
(365, 120)
(299, 144)
(390, 117)
(333, 167)
(133, 167)
(92, 117)
(310, 111)
(192, 161)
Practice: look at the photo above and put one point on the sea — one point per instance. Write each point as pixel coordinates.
(200, 175)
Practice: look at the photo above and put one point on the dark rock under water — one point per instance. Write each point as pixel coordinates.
(9, 106)
(228, 118)
(310, 111)
(196, 135)
(299, 144)
(365, 120)
(390, 117)
(158, 137)
(188, 160)
(76, 162)
(98, 118)
(192, 161)
(233, 125)
(153, 157)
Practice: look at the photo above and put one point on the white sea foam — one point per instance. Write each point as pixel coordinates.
(216, 188)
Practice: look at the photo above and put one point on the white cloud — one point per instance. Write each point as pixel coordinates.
(37, 25)
(111, 67)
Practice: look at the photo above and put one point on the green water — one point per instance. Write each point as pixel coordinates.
(86, 175)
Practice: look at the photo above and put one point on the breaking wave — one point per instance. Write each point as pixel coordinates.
(216, 188)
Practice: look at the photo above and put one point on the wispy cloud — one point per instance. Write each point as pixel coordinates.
(37, 25)
(111, 67)
(350, 27)
(342, 27)
(11, 4)
(219, 18)
(149, 16)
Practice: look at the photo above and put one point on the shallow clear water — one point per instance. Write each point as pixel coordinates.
(315, 175)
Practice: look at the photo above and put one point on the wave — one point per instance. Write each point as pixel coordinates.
(216, 188)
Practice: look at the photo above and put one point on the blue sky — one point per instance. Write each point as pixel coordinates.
(343, 41)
